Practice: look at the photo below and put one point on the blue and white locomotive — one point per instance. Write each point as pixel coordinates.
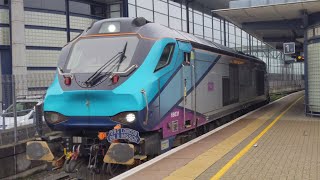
(155, 82)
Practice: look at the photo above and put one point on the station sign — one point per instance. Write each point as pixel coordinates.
(289, 48)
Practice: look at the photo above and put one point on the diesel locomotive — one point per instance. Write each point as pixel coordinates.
(135, 87)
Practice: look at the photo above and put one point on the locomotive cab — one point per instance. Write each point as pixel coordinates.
(108, 76)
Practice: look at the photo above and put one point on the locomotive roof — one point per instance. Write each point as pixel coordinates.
(157, 31)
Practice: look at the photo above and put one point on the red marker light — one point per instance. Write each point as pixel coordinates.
(67, 81)
(115, 79)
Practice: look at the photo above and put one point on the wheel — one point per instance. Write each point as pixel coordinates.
(114, 169)
(72, 166)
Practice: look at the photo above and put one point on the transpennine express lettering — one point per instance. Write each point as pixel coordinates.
(124, 133)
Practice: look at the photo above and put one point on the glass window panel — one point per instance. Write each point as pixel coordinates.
(238, 40)
(174, 3)
(165, 56)
(132, 2)
(58, 5)
(4, 2)
(317, 31)
(238, 31)
(115, 14)
(216, 25)
(99, 10)
(232, 38)
(217, 35)
(217, 41)
(208, 38)
(160, 6)
(191, 27)
(198, 29)
(208, 22)
(174, 11)
(207, 32)
(161, 19)
(80, 8)
(145, 4)
(231, 28)
(238, 47)
(232, 45)
(184, 26)
(198, 17)
(184, 14)
(145, 13)
(175, 23)
(222, 38)
(132, 10)
(115, 7)
(190, 15)
(33, 4)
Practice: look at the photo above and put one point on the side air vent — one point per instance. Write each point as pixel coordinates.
(140, 21)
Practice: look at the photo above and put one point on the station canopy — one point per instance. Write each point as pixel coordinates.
(275, 23)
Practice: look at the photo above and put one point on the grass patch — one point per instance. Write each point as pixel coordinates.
(276, 96)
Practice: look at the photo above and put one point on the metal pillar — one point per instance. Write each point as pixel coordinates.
(14, 108)
(67, 20)
(125, 8)
(305, 50)
(187, 13)
(224, 33)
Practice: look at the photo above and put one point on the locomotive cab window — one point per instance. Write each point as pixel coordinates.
(186, 59)
(166, 56)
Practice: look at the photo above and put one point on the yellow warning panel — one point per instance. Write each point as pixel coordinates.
(39, 150)
(120, 153)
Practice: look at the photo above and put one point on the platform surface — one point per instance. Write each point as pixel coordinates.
(275, 142)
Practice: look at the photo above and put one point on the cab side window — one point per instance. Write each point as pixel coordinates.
(166, 56)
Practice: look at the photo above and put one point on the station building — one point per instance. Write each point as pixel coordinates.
(32, 32)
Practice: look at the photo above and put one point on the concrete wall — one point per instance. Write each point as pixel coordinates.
(12, 156)
(13, 160)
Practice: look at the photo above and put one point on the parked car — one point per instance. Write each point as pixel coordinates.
(25, 109)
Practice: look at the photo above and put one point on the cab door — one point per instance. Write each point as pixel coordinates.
(188, 83)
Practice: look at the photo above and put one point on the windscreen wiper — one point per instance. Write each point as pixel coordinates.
(123, 55)
(97, 76)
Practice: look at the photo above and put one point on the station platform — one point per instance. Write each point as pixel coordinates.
(276, 141)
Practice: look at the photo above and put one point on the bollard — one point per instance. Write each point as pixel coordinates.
(38, 118)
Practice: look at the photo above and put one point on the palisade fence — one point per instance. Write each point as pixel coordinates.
(20, 95)
(283, 83)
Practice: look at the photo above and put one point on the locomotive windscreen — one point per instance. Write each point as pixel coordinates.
(89, 54)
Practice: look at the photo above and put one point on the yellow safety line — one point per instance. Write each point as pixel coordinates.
(223, 170)
(198, 165)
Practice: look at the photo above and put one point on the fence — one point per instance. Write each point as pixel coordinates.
(19, 96)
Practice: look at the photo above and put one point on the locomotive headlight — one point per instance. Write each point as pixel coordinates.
(54, 118)
(130, 117)
(110, 27)
(125, 117)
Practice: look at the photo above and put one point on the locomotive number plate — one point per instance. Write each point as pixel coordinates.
(124, 133)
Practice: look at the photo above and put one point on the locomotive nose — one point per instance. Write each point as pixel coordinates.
(89, 109)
